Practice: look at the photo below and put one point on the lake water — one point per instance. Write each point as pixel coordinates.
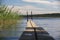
(51, 25)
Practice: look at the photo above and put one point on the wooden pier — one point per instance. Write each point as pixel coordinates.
(34, 32)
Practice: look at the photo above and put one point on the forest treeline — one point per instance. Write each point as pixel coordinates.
(44, 15)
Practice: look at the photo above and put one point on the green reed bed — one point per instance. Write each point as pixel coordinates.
(7, 18)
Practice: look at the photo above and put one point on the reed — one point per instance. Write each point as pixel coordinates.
(7, 18)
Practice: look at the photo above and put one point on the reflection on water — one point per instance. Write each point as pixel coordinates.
(52, 25)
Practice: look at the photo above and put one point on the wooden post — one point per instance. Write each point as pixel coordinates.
(27, 16)
(31, 16)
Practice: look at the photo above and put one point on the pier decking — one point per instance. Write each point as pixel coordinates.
(33, 32)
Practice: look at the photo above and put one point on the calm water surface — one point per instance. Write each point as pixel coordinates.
(52, 25)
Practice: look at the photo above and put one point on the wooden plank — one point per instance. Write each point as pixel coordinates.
(30, 23)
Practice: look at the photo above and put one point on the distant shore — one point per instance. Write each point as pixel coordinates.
(44, 15)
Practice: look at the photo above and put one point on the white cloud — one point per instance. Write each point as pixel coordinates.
(24, 9)
(43, 2)
(28, 7)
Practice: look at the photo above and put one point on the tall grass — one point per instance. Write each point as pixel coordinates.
(7, 18)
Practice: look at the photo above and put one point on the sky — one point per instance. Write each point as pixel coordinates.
(36, 6)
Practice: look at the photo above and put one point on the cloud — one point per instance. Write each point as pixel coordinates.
(43, 2)
(29, 8)
(24, 9)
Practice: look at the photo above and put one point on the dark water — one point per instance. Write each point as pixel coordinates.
(52, 25)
